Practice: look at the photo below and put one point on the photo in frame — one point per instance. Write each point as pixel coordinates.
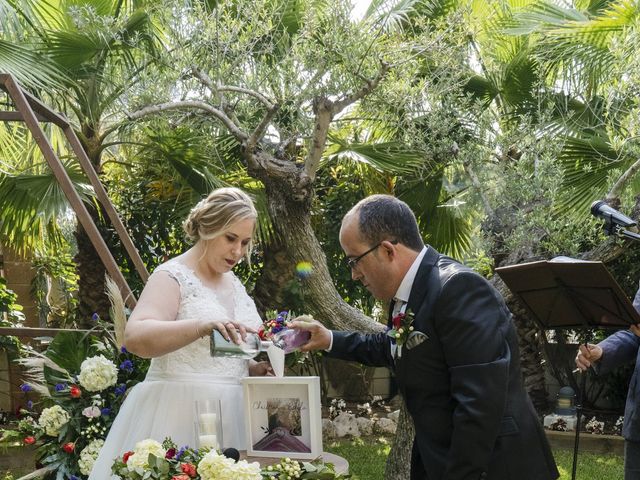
(283, 416)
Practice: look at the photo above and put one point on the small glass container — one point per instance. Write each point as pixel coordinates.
(209, 424)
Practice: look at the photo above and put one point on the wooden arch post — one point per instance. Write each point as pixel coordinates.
(32, 111)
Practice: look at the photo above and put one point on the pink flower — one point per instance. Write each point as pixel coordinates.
(30, 440)
(91, 412)
(189, 469)
(180, 477)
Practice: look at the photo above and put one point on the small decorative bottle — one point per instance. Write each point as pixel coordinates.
(287, 339)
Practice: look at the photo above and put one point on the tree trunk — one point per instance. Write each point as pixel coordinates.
(91, 271)
(91, 284)
(295, 242)
(398, 466)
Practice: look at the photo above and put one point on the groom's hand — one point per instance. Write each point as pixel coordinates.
(320, 336)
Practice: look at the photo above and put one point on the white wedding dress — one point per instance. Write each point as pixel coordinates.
(163, 405)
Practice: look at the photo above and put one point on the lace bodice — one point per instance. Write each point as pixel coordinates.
(199, 301)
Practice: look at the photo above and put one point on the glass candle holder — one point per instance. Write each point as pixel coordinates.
(209, 424)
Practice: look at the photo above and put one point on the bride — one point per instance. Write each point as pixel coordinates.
(184, 300)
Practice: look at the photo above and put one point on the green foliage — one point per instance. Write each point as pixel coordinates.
(10, 316)
(55, 288)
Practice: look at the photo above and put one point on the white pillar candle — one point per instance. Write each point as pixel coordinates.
(208, 441)
(208, 423)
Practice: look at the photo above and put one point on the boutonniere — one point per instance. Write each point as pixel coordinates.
(402, 326)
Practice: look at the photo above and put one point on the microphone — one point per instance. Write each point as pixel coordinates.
(232, 453)
(601, 210)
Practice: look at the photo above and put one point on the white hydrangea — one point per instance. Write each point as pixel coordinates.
(52, 419)
(138, 461)
(97, 373)
(88, 456)
(214, 466)
(244, 470)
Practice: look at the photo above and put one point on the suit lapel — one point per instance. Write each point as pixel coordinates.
(421, 282)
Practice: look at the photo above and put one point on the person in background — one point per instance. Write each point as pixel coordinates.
(455, 355)
(621, 348)
(184, 300)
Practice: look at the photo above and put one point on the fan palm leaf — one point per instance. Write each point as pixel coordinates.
(31, 205)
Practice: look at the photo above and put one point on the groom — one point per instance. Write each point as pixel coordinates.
(457, 364)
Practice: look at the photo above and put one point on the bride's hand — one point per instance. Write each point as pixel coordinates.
(230, 330)
(260, 369)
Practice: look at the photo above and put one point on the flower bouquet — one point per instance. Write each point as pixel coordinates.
(153, 460)
(81, 380)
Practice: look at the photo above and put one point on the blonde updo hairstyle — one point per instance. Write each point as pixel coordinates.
(214, 215)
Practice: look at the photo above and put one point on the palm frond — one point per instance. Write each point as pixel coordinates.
(30, 205)
(391, 14)
(31, 69)
(587, 163)
(388, 156)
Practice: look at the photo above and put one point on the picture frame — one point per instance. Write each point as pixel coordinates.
(283, 417)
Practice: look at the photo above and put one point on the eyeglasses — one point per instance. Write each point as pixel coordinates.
(353, 262)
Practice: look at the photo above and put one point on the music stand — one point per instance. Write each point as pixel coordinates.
(566, 293)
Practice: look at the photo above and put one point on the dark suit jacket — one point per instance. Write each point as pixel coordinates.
(463, 385)
(621, 348)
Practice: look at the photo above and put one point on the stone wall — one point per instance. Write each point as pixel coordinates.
(19, 275)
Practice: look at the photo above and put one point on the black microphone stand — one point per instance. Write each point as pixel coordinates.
(611, 228)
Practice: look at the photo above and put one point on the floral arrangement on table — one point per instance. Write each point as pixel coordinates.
(153, 460)
(73, 392)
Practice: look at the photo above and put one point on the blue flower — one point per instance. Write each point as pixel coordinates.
(73, 477)
(120, 389)
(25, 387)
(105, 411)
(95, 317)
(127, 366)
(29, 404)
(180, 452)
(60, 386)
(123, 349)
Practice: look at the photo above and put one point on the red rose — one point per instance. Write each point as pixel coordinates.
(170, 453)
(29, 440)
(180, 477)
(75, 392)
(68, 447)
(189, 469)
(125, 457)
(397, 320)
(262, 334)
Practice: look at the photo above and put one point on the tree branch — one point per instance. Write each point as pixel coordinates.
(206, 81)
(325, 110)
(228, 88)
(194, 104)
(368, 87)
(617, 188)
(260, 130)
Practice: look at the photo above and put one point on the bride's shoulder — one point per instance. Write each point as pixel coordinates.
(175, 268)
